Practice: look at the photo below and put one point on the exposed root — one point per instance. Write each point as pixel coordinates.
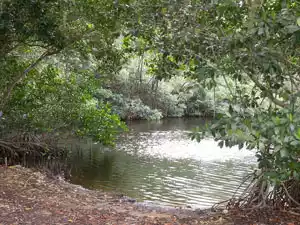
(20, 147)
(291, 212)
(289, 195)
(259, 193)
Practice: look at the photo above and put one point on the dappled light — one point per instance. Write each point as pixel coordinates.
(94, 91)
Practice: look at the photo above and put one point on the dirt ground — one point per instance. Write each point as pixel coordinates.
(30, 197)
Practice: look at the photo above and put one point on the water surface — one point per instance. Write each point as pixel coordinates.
(157, 162)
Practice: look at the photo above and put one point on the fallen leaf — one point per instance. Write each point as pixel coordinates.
(274, 219)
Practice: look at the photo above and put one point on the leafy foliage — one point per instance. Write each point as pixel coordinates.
(252, 43)
(134, 93)
(61, 65)
(43, 89)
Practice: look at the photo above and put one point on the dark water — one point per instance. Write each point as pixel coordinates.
(157, 162)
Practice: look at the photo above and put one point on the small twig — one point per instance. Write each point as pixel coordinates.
(258, 206)
(26, 182)
(291, 212)
(219, 203)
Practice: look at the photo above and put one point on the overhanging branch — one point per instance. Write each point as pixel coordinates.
(268, 93)
(22, 75)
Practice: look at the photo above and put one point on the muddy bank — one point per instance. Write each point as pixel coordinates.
(30, 197)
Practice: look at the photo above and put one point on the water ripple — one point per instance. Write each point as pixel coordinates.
(159, 163)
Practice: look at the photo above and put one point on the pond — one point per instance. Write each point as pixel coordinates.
(157, 162)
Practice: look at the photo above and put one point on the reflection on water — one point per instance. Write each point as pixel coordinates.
(156, 161)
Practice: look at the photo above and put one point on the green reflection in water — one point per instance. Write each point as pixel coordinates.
(143, 166)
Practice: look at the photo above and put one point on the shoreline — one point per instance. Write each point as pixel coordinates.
(29, 196)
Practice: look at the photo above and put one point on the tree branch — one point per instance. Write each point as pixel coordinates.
(21, 76)
(255, 81)
(266, 91)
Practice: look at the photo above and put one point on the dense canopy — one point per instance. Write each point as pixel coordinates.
(82, 66)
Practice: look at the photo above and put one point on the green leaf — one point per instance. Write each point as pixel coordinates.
(298, 133)
(296, 175)
(284, 153)
(221, 144)
(271, 174)
(90, 25)
(164, 11)
(241, 145)
(292, 28)
(295, 143)
(290, 117)
(260, 31)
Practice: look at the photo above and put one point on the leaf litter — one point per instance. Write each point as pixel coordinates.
(31, 197)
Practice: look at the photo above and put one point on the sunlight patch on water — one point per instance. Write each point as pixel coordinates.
(176, 145)
(161, 164)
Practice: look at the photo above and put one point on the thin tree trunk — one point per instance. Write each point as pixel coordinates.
(7, 93)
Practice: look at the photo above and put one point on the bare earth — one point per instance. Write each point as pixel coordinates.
(30, 197)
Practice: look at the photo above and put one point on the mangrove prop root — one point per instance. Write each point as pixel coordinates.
(260, 194)
(18, 147)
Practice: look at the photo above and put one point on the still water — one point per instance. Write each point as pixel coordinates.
(158, 163)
